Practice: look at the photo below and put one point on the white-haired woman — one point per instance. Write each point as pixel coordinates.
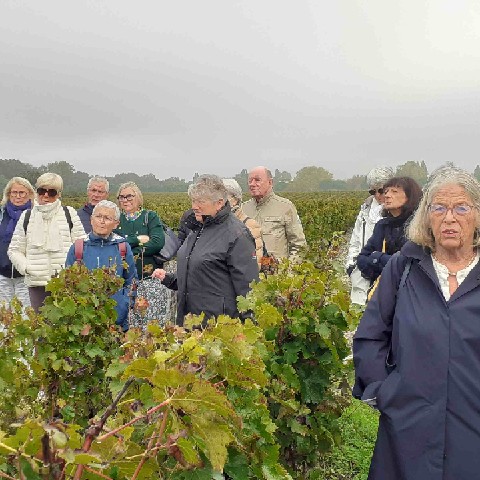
(17, 197)
(234, 194)
(217, 261)
(43, 236)
(417, 348)
(370, 213)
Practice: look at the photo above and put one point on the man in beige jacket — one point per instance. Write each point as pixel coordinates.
(281, 227)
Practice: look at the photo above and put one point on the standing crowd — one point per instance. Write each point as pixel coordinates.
(221, 245)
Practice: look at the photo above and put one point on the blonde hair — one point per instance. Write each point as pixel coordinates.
(50, 179)
(134, 187)
(21, 181)
(419, 230)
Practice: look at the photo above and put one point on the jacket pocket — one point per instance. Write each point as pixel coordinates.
(388, 390)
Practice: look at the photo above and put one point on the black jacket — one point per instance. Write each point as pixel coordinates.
(215, 264)
(371, 259)
(85, 215)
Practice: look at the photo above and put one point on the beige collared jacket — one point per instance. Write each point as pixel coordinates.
(282, 229)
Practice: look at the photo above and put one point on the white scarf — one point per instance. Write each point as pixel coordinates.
(45, 232)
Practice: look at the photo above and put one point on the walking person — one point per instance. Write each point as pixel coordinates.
(370, 213)
(17, 197)
(416, 350)
(43, 236)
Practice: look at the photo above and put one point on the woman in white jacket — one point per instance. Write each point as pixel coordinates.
(370, 213)
(43, 236)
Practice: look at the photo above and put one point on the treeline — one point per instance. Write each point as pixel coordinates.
(307, 179)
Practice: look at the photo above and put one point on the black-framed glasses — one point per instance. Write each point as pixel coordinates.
(441, 210)
(52, 192)
(373, 191)
(127, 198)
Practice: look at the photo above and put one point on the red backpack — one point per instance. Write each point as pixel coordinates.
(122, 247)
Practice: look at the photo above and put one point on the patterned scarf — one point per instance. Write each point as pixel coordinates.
(14, 213)
(131, 217)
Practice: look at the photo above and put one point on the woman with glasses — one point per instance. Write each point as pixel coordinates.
(43, 237)
(401, 198)
(17, 197)
(370, 213)
(144, 232)
(417, 348)
(103, 248)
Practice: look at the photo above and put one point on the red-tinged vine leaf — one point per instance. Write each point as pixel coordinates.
(86, 330)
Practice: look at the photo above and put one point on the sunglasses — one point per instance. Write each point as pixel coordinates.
(373, 191)
(51, 191)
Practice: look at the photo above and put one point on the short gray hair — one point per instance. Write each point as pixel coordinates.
(233, 188)
(419, 230)
(208, 187)
(379, 175)
(99, 180)
(134, 187)
(50, 179)
(20, 181)
(108, 204)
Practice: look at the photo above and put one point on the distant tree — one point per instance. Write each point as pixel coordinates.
(15, 168)
(3, 183)
(173, 184)
(308, 179)
(357, 182)
(415, 170)
(333, 185)
(476, 172)
(242, 179)
(281, 180)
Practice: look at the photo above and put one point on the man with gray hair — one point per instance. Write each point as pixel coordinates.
(97, 190)
(370, 213)
(282, 230)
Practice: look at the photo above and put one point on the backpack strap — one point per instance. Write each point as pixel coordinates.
(79, 250)
(68, 217)
(26, 219)
(122, 247)
(406, 270)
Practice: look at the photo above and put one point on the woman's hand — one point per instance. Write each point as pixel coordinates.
(143, 238)
(159, 273)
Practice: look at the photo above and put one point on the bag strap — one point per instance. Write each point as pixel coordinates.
(79, 250)
(122, 247)
(68, 217)
(26, 219)
(405, 273)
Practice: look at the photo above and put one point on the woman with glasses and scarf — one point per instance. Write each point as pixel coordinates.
(40, 242)
(143, 230)
(17, 197)
(402, 195)
(370, 213)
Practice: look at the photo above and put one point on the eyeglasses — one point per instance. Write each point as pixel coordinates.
(94, 190)
(105, 218)
(123, 198)
(52, 192)
(373, 191)
(15, 193)
(441, 210)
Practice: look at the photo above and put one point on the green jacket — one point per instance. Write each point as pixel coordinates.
(148, 223)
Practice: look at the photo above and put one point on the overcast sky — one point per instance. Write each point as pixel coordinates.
(214, 86)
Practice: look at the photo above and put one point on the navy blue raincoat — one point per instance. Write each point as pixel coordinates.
(419, 357)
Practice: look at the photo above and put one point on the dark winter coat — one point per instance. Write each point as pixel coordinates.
(85, 215)
(215, 264)
(371, 259)
(100, 252)
(429, 396)
(148, 223)
(187, 223)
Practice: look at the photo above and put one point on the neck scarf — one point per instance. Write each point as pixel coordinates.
(14, 213)
(45, 228)
(131, 217)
